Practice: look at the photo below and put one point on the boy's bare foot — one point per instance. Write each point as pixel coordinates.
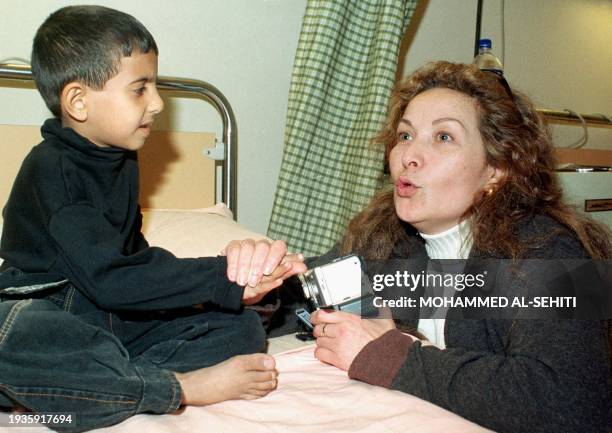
(241, 377)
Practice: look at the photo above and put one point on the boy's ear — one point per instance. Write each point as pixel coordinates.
(74, 101)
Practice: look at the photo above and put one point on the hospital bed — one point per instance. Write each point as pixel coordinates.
(182, 214)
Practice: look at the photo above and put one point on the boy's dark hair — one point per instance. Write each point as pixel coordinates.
(85, 44)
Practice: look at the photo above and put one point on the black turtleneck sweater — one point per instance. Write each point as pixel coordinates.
(73, 214)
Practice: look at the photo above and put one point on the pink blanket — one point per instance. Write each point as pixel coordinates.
(311, 397)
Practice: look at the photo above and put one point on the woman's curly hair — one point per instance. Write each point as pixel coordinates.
(516, 140)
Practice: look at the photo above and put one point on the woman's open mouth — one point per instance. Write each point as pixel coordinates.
(405, 188)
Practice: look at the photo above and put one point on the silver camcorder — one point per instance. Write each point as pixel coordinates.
(339, 285)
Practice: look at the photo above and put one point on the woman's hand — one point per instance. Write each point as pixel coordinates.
(249, 260)
(341, 336)
(292, 264)
(260, 266)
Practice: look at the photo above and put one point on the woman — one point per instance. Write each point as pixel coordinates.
(472, 168)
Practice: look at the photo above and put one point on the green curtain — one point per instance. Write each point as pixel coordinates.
(345, 67)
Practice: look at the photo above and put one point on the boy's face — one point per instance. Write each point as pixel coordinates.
(121, 114)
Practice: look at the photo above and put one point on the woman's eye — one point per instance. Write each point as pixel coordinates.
(445, 137)
(404, 136)
(139, 91)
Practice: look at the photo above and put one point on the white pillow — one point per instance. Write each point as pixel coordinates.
(194, 232)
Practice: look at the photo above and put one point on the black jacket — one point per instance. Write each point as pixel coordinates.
(73, 215)
(544, 375)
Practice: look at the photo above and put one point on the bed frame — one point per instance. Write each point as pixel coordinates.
(223, 153)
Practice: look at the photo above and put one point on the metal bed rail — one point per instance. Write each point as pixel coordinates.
(225, 151)
(567, 116)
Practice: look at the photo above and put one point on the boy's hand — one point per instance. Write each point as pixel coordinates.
(248, 261)
(292, 264)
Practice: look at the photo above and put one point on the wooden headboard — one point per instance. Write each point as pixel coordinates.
(174, 174)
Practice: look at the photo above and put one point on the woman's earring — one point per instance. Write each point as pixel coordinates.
(488, 191)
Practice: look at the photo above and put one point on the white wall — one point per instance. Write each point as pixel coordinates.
(243, 47)
(558, 51)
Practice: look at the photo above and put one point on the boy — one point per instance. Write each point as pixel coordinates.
(82, 326)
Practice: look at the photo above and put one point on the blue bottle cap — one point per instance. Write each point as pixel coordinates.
(484, 43)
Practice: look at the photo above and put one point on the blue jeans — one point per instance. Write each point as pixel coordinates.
(59, 353)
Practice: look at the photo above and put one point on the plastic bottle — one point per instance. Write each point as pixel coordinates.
(486, 60)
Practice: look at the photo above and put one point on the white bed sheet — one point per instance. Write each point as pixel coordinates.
(311, 397)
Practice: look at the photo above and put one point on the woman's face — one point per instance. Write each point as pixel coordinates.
(438, 164)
